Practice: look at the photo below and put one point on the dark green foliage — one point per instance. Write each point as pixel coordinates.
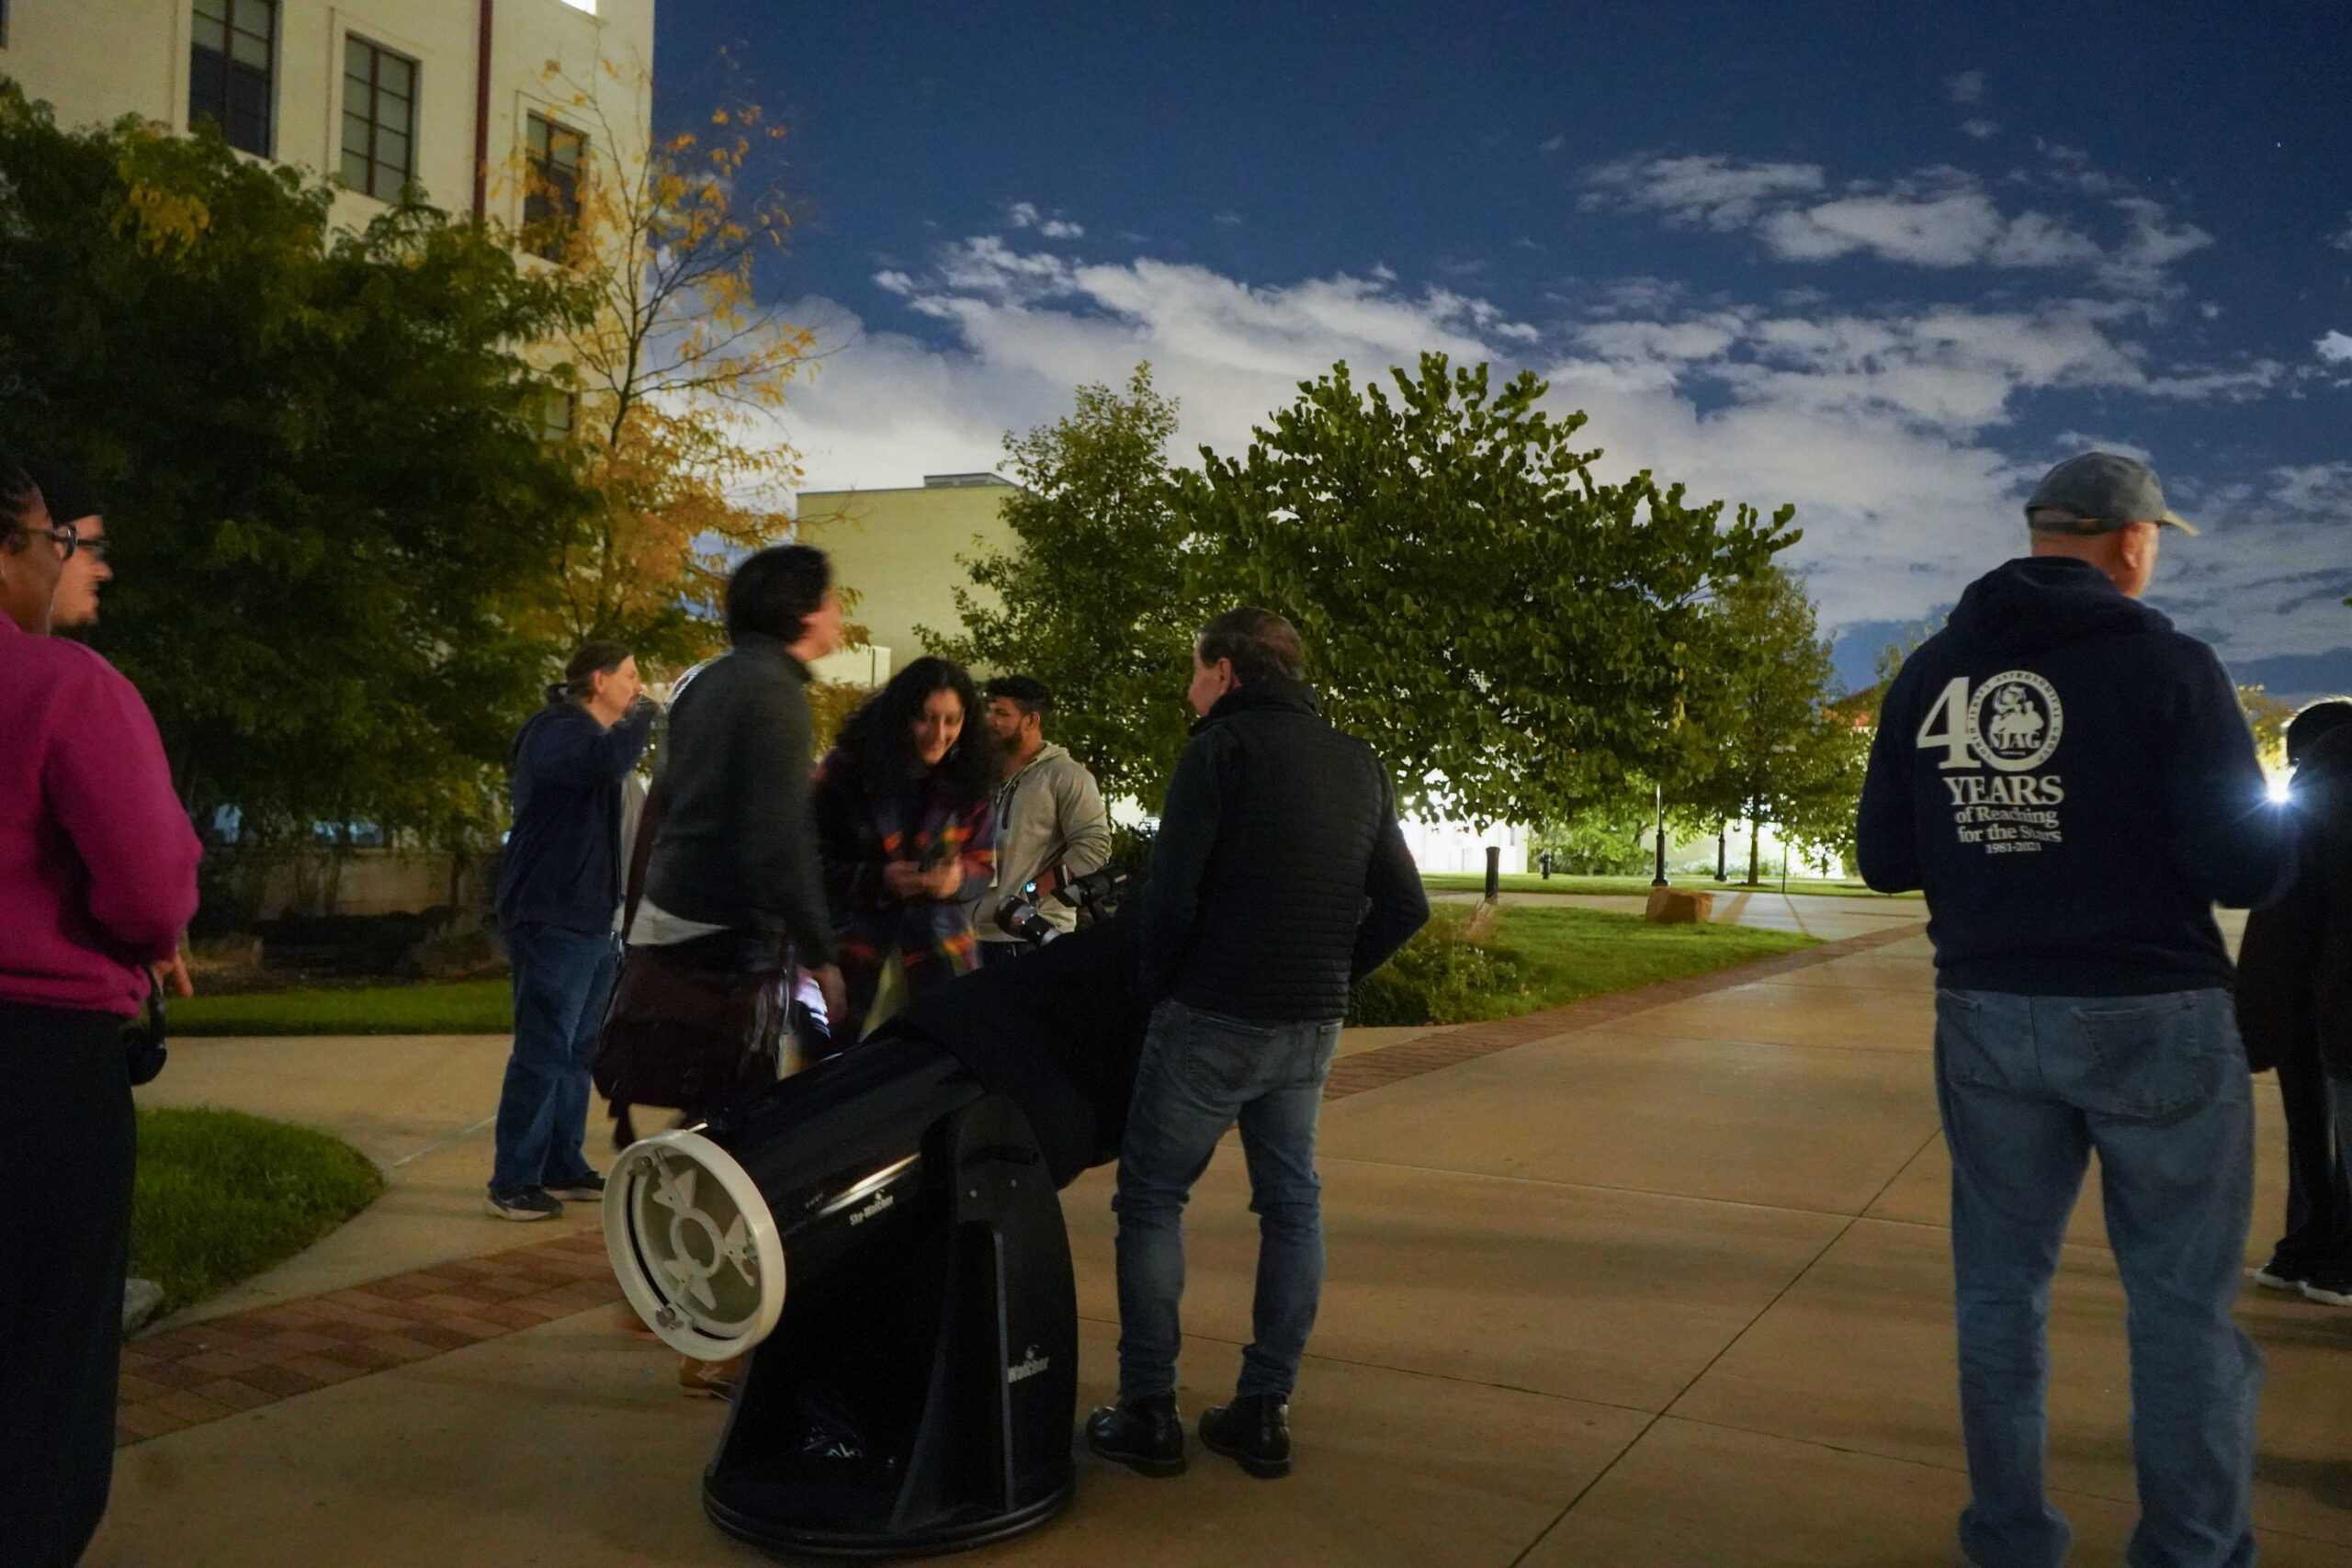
(333, 518)
(222, 1195)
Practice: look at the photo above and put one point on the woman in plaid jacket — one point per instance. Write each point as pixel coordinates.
(903, 804)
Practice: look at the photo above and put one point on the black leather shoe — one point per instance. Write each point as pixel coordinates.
(1253, 1432)
(1147, 1436)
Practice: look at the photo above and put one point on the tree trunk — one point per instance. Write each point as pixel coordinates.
(1722, 851)
(1755, 854)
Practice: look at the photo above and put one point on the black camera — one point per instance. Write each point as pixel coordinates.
(142, 1041)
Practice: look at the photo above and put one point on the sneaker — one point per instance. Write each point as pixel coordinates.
(2329, 1287)
(1147, 1436)
(1253, 1432)
(531, 1204)
(2276, 1276)
(585, 1188)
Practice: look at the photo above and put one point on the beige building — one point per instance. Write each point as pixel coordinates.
(898, 549)
(453, 95)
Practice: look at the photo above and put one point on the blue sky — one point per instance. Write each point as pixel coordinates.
(1887, 262)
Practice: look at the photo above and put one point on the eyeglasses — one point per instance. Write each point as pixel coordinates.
(64, 536)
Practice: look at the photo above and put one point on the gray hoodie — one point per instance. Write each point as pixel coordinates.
(1048, 813)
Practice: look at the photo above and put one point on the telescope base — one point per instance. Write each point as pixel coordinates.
(985, 1528)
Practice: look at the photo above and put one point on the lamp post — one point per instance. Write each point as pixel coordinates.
(1659, 880)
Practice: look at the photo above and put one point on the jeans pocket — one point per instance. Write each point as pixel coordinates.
(2145, 1060)
(1970, 1051)
(1223, 1058)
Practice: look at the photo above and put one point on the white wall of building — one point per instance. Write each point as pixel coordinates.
(1443, 847)
(96, 60)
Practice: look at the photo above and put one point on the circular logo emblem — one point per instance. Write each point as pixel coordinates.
(2014, 721)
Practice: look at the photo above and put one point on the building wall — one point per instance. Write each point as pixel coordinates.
(898, 549)
(97, 60)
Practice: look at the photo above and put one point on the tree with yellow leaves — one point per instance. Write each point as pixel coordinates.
(673, 360)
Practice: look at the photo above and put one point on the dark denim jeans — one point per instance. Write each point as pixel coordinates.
(2029, 1087)
(562, 979)
(1201, 1072)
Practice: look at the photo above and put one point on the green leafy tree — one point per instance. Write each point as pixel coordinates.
(1091, 598)
(1769, 740)
(1518, 637)
(332, 515)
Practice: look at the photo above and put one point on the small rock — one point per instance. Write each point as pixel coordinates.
(142, 1300)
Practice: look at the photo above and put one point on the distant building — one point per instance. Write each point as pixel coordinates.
(898, 549)
(452, 94)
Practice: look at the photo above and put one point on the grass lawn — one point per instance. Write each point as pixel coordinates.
(1536, 958)
(222, 1195)
(1472, 882)
(454, 1007)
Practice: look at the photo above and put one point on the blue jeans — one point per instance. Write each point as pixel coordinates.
(562, 979)
(2029, 1086)
(1201, 1072)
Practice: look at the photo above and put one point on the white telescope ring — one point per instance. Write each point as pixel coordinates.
(674, 1319)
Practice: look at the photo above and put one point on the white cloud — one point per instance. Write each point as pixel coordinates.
(2342, 238)
(1553, 145)
(1227, 218)
(1939, 217)
(1981, 130)
(1024, 215)
(1966, 87)
(2334, 347)
(1891, 430)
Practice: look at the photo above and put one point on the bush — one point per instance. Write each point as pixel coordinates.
(1441, 976)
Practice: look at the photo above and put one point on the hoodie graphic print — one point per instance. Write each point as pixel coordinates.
(2072, 781)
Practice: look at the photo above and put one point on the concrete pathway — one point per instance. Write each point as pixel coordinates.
(1668, 1289)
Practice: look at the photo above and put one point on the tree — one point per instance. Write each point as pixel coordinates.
(332, 514)
(1518, 637)
(1767, 740)
(673, 364)
(1091, 600)
(2268, 718)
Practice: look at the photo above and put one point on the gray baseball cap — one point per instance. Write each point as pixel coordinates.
(2097, 493)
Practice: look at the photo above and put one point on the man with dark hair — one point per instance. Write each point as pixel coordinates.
(2072, 784)
(97, 879)
(559, 902)
(2280, 966)
(1050, 812)
(86, 571)
(1279, 877)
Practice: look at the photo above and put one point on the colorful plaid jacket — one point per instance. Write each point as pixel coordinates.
(863, 826)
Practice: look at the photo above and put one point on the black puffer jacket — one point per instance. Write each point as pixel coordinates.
(1280, 873)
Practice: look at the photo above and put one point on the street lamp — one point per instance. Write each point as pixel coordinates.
(1659, 880)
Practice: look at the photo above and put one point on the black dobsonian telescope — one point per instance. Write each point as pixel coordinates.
(883, 1233)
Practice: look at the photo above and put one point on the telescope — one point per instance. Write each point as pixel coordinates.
(883, 1234)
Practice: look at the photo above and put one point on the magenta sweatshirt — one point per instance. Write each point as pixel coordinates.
(98, 863)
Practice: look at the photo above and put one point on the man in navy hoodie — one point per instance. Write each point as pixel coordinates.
(559, 907)
(2072, 783)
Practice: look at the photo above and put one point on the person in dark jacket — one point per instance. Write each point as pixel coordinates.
(2281, 965)
(1278, 878)
(906, 822)
(558, 904)
(2072, 781)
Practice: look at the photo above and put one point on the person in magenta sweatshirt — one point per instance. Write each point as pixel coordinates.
(97, 879)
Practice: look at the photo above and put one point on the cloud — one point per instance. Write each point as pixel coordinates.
(1894, 430)
(1553, 145)
(2342, 238)
(1024, 215)
(2334, 347)
(1939, 217)
(1965, 87)
(1981, 130)
(1228, 218)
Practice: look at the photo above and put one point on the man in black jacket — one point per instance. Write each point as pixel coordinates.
(559, 897)
(1279, 876)
(2291, 949)
(2072, 781)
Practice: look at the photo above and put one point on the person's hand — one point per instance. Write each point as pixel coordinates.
(903, 878)
(836, 994)
(944, 882)
(174, 974)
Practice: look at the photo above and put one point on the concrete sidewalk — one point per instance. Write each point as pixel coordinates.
(1670, 1289)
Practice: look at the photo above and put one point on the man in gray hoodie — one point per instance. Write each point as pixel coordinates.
(1050, 812)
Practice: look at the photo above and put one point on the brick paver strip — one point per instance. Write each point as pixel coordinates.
(218, 1368)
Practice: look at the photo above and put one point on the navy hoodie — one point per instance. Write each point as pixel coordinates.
(2072, 781)
(563, 862)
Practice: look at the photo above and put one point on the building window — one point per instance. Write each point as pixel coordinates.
(379, 118)
(552, 204)
(232, 77)
(558, 416)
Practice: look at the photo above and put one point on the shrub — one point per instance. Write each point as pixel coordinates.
(1441, 976)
